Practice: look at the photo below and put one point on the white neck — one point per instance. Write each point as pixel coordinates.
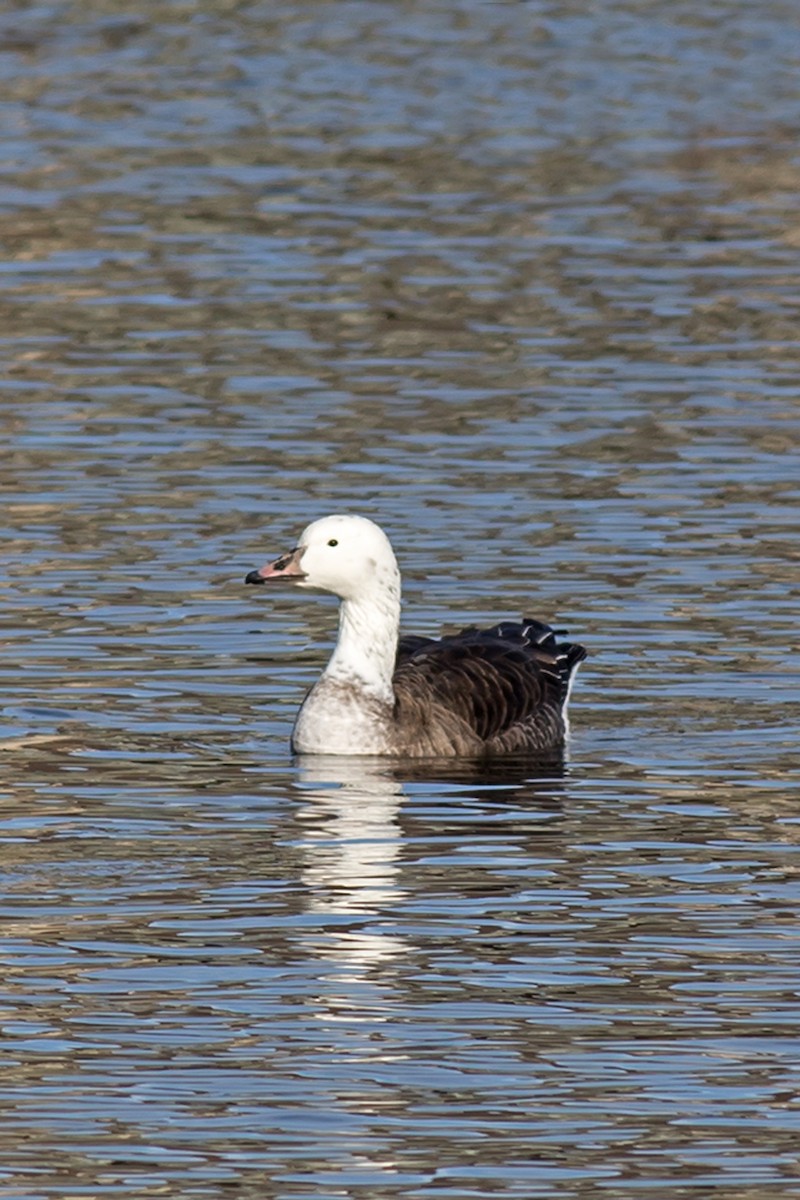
(367, 646)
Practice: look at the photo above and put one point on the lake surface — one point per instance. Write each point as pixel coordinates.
(521, 283)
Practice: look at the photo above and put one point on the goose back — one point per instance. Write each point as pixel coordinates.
(484, 691)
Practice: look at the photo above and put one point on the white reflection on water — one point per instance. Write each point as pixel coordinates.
(352, 845)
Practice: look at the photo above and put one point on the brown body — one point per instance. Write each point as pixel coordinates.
(483, 692)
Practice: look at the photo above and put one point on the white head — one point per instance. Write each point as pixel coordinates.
(349, 556)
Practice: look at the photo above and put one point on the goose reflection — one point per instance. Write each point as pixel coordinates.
(354, 823)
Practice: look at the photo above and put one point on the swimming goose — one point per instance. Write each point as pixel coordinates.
(481, 692)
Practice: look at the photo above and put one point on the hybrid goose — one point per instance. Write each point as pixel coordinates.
(478, 693)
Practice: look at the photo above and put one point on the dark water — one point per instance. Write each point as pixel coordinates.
(520, 282)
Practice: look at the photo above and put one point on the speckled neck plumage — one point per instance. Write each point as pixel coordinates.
(367, 646)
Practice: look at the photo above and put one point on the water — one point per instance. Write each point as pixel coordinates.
(520, 282)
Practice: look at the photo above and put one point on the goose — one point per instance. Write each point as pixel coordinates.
(479, 693)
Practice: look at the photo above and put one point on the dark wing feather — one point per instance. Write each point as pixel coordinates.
(505, 687)
(409, 644)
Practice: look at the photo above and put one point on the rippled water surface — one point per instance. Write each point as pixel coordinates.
(520, 281)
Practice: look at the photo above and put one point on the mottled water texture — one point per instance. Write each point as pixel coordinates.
(519, 281)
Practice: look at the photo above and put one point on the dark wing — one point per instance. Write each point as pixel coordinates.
(506, 685)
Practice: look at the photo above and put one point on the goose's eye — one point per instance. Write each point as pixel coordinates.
(333, 542)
